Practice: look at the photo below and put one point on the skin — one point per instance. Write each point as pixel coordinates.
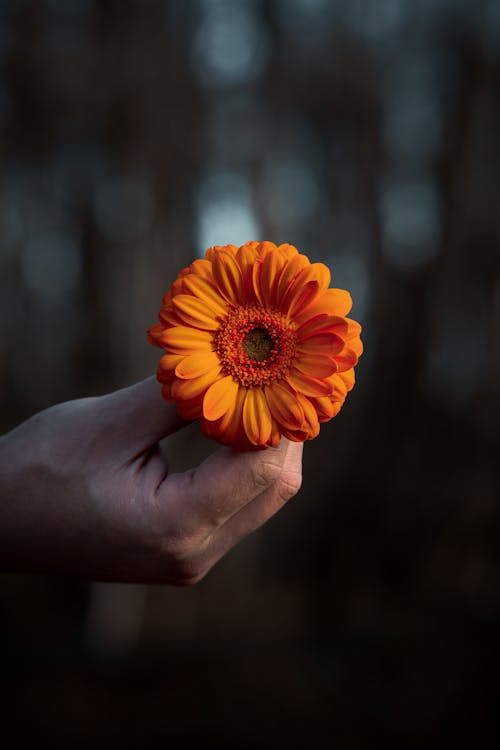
(85, 491)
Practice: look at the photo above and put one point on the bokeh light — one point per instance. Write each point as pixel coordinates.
(224, 211)
(230, 46)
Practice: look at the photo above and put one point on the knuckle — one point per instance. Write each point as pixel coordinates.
(184, 558)
(288, 485)
(266, 474)
(189, 578)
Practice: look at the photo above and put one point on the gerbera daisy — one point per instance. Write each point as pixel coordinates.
(257, 345)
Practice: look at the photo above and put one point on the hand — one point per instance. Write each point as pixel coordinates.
(85, 490)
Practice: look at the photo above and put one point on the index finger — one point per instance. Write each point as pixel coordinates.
(208, 496)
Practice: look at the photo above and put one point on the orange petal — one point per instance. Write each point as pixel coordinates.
(346, 359)
(298, 298)
(275, 436)
(348, 377)
(339, 301)
(308, 385)
(154, 333)
(321, 343)
(213, 251)
(288, 251)
(231, 424)
(219, 398)
(195, 312)
(316, 365)
(326, 408)
(190, 409)
(185, 340)
(188, 389)
(204, 289)
(195, 364)
(336, 302)
(289, 272)
(202, 268)
(169, 317)
(269, 278)
(316, 272)
(227, 274)
(353, 329)
(246, 257)
(256, 274)
(356, 345)
(256, 417)
(166, 392)
(321, 323)
(170, 361)
(339, 387)
(310, 416)
(321, 274)
(284, 406)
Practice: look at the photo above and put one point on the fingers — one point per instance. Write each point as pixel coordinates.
(249, 519)
(140, 414)
(193, 552)
(206, 498)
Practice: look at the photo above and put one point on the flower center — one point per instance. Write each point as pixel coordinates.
(256, 346)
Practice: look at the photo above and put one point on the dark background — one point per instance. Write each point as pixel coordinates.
(133, 135)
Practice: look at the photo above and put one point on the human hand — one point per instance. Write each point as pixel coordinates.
(85, 490)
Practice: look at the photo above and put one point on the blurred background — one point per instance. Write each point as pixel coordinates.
(135, 134)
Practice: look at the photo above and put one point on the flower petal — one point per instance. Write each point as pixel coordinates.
(269, 277)
(204, 289)
(195, 364)
(284, 406)
(310, 416)
(336, 302)
(288, 251)
(246, 259)
(346, 359)
(170, 361)
(183, 390)
(195, 312)
(202, 268)
(323, 323)
(185, 340)
(316, 365)
(154, 333)
(256, 417)
(230, 426)
(190, 408)
(326, 408)
(298, 298)
(213, 251)
(308, 385)
(227, 274)
(219, 398)
(169, 317)
(316, 272)
(353, 329)
(348, 377)
(321, 343)
(289, 272)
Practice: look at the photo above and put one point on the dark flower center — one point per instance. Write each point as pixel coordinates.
(257, 344)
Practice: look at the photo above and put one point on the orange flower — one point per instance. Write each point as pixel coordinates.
(257, 345)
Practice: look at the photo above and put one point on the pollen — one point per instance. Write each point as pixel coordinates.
(256, 346)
